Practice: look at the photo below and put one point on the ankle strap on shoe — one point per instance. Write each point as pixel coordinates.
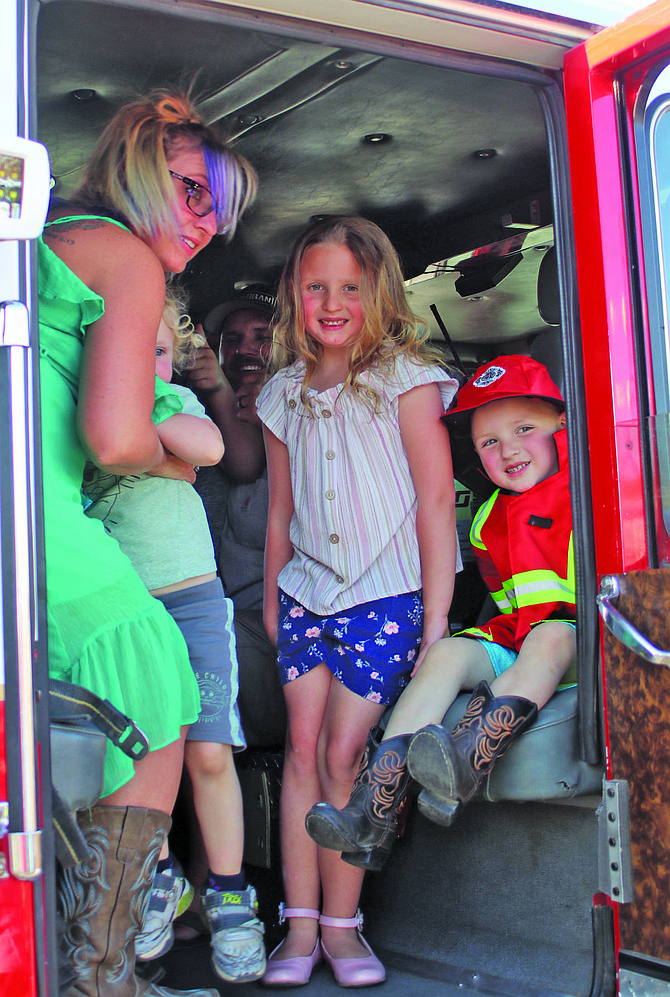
(343, 922)
(286, 912)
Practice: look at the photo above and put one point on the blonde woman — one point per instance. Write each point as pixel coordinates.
(159, 186)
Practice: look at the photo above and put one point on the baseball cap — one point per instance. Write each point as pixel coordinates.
(256, 297)
(504, 377)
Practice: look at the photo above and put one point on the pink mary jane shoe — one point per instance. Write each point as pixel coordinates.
(364, 971)
(294, 972)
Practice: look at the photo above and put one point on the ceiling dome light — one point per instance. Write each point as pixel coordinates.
(247, 120)
(484, 154)
(377, 138)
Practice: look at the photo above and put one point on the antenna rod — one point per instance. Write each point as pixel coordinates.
(450, 342)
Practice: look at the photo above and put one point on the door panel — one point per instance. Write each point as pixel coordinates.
(28, 957)
(621, 209)
(637, 697)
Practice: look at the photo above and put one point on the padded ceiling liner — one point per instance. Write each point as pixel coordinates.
(316, 104)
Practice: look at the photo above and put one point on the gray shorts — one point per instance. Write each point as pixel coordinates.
(205, 618)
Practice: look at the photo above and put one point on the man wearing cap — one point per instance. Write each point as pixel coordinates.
(235, 493)
(514, 416)
(228, 383)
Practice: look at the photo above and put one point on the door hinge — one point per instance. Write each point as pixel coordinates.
(615, 861)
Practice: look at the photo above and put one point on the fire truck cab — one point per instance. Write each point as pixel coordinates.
(524, 157)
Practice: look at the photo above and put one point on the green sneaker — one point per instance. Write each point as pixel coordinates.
(171, 893)
(238, 949)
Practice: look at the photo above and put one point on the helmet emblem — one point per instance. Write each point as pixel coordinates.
(489, 376)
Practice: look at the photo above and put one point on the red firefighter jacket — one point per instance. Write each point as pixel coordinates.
(523, 546)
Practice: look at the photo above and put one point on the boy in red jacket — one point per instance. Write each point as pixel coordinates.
(522, 538)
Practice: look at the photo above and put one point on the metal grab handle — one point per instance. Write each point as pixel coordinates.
(25, 854)
(622, 628)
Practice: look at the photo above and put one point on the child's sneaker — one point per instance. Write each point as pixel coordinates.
(171, 893)
(238, 950)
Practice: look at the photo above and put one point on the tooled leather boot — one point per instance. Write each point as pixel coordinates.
(103, 901)
(364, 829)
(451, 766)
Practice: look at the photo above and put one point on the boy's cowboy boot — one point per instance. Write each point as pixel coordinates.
(103, 900)
(451, 767)
(364, 829)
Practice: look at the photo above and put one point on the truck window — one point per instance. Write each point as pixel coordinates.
(653, 146)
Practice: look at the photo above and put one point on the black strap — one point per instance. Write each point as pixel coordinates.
(72, 703)
(69, 703)
(71, 847)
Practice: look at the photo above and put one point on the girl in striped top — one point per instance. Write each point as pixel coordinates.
(361, 549)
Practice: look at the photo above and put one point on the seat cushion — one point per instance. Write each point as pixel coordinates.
(544, 763)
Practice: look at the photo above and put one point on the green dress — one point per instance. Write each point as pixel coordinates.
(105, 631)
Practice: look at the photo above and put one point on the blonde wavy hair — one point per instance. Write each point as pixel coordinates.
(390, 328)
(185, 339)
(129, 173)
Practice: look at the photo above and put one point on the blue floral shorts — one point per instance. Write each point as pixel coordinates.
(370, 648)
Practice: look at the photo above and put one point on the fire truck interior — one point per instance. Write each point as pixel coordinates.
(456, 159)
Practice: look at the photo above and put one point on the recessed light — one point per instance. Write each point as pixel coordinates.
(342, 64)
(484, 154)
(247, 120)
(83, 93)
(377, 138)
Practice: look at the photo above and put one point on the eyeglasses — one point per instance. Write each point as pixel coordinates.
(199, 199)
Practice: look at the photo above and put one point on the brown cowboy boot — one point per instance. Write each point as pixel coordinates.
(451, 767)
(364, 829)
(103, 901)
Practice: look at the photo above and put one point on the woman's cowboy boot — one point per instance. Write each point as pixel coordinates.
(451, 767)
(103, 900)
(364, 829)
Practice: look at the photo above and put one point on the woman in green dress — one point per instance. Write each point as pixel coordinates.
(160, 184)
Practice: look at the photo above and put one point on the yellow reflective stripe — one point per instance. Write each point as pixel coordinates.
(549, 588)
(504, 598)
(570, 580)
(479, 520)
(475, 632)
(532, 588)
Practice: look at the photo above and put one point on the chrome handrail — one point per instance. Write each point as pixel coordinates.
(622, 628)
(25, 841)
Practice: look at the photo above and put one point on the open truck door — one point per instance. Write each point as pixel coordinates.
(311, 92)
(617, 87)
(26, 855)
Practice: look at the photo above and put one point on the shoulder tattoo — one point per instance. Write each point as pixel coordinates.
(58, 229)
